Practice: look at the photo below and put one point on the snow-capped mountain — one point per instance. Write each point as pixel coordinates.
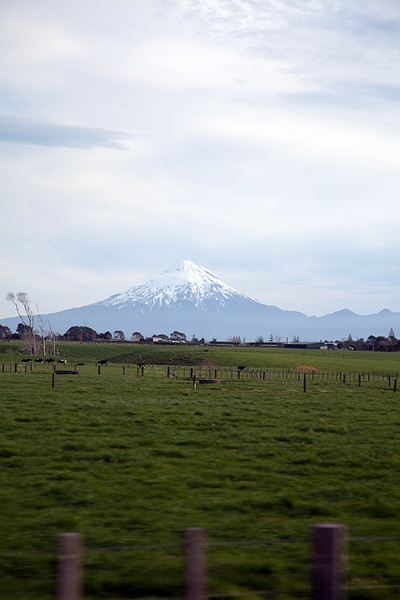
(190, 299)
(183, 284)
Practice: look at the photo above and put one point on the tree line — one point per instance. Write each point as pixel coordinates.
(36, 341)
(373, 343)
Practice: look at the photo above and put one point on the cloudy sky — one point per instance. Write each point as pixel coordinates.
(257, 138)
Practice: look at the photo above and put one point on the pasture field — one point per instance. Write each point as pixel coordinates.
(131, 460)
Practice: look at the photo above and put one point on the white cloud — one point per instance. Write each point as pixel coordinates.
(270, 132)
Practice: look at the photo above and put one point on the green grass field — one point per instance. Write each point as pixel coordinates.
(129, 460)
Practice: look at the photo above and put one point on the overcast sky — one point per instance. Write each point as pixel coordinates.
(257, 138)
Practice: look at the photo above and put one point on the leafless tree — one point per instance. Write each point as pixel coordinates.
(53, 337)
(41, 324)
(22, 304)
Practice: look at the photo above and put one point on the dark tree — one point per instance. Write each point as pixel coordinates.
(23, 330)
(137, 336)
(105, 336)
(119, 335)
(80, 334)
(382, 344)
(177, 336)
(5, 332)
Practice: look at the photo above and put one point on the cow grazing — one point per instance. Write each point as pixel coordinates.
(103, 363)
(50, 361)
(62, 361)
(26, 360)
(39, 360)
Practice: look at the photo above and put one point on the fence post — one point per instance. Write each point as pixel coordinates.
(195, 564)
(305, 383)
(329, 559)
(69, 566)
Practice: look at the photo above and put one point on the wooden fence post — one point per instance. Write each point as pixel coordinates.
(195, 564)
(53, 379)
(329, 561)
(194, 382)
(305, 383)
(98, 369)
(69, 567)
(395, 385)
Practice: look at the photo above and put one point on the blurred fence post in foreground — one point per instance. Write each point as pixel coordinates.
(195, 564)
(69, 567)
(329, 561)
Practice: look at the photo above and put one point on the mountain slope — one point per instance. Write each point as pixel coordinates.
(182, 285)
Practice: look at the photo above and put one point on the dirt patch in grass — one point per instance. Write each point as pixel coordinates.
(305, 368)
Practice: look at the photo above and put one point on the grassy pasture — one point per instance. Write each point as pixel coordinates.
(128, 460)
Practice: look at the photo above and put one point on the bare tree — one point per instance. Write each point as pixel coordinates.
(41, 324)
(53, 336)
(22, 303)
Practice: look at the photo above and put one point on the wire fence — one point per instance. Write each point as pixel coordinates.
(328, 558)
(203, 374)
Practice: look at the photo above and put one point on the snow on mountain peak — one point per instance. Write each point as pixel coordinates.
(183, 282)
